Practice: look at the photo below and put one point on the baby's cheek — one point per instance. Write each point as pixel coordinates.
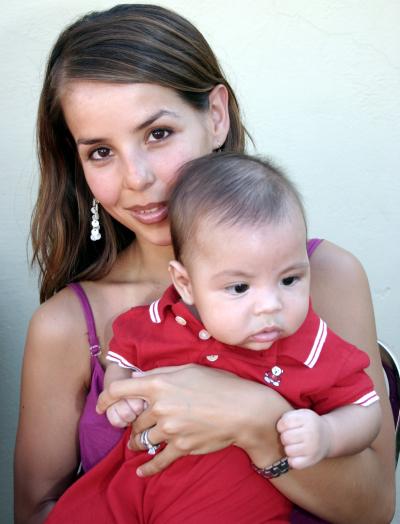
(224, 330)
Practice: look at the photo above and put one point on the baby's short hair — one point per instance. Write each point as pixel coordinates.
(228, 189)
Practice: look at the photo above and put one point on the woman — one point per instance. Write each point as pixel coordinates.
(129, 95)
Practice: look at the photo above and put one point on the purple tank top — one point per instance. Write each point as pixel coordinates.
(96, 435)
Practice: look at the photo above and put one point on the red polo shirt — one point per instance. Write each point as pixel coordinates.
(313, 368)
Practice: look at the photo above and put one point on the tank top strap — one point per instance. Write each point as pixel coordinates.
(94, 344)
(312, 245)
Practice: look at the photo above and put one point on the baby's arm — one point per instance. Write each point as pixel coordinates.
(308, 437)
(123, 412)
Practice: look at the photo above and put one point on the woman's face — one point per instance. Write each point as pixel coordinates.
(132, 139)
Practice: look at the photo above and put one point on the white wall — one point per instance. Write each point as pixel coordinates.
(319, 84)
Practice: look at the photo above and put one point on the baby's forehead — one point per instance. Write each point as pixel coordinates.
(211, 225)
(213, 238)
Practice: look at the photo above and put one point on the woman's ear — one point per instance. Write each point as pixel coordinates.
(181, 281)
(219, 112)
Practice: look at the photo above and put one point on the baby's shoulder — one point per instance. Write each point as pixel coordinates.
(138, 315)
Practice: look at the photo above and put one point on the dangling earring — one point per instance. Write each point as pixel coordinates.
(218, 149)
(95, 232)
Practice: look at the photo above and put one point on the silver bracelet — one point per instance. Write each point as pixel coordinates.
(276, 469)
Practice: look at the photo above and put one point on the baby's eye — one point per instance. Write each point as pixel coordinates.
(238, 289)
(289, 281)
(100, 153)
(159, 134)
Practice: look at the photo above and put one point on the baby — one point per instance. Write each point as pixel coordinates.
(240, 302)
(242, 271)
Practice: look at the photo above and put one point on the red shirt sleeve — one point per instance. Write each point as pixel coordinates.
(351, 384)
(123, 347)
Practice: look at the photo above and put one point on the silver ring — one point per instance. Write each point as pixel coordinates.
(145, 441)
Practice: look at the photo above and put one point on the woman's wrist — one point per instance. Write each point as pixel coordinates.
(278, 468)
(257, 434)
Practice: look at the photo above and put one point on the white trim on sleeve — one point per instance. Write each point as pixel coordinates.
(319, 342)
(121, 361)
(368, 399)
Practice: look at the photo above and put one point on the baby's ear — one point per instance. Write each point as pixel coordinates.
(181, 281)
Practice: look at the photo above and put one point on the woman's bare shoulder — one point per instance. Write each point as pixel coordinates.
(341, 295)
(58, 328)
(331, 259)
(58, 314)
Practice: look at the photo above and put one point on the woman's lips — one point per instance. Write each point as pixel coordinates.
(152, 213)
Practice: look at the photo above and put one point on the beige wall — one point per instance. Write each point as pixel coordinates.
(319, 83)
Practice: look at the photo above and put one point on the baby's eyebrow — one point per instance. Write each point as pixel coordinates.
(232, 273)
(296, 267)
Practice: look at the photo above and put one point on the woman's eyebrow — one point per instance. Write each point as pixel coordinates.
(140, 127)
(156, 116)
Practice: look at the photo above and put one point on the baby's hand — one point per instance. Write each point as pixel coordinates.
(125, 411)
(305, 437)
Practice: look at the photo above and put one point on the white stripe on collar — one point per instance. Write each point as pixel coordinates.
(153, 310)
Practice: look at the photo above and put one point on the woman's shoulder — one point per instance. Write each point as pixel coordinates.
(58, 329)
(341, 295)
(56, 313)
(329, 259)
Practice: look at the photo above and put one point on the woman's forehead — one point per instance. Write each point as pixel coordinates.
(140, 104)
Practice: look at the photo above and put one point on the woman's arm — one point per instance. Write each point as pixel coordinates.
(54, 376)
(364, 483)
(199, 410)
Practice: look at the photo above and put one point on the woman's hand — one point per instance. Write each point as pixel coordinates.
(197, 410)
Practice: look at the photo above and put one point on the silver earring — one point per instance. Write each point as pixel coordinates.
(95, 232)
(218, 148)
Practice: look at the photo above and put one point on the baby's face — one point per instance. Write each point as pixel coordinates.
(251, 286)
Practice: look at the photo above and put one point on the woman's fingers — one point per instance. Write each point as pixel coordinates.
(161, 460)
(143, 385)
(196, 410)
(126, 388)
(154, 438)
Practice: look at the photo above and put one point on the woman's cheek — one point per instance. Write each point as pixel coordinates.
(168, 164)
(104, 188)
(167, 167)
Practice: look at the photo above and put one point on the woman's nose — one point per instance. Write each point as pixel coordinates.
(137, 174)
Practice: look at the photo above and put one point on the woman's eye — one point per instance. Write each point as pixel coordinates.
(238, 289)
(100, 153)
(289, 281)
(159, 134)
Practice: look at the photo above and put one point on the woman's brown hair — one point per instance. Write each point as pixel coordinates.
(126, 44)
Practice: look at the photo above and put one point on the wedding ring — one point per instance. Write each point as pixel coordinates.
(145, 441)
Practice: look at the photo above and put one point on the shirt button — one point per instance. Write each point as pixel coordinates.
(212, 358)
(204, 335)
(180, 321)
